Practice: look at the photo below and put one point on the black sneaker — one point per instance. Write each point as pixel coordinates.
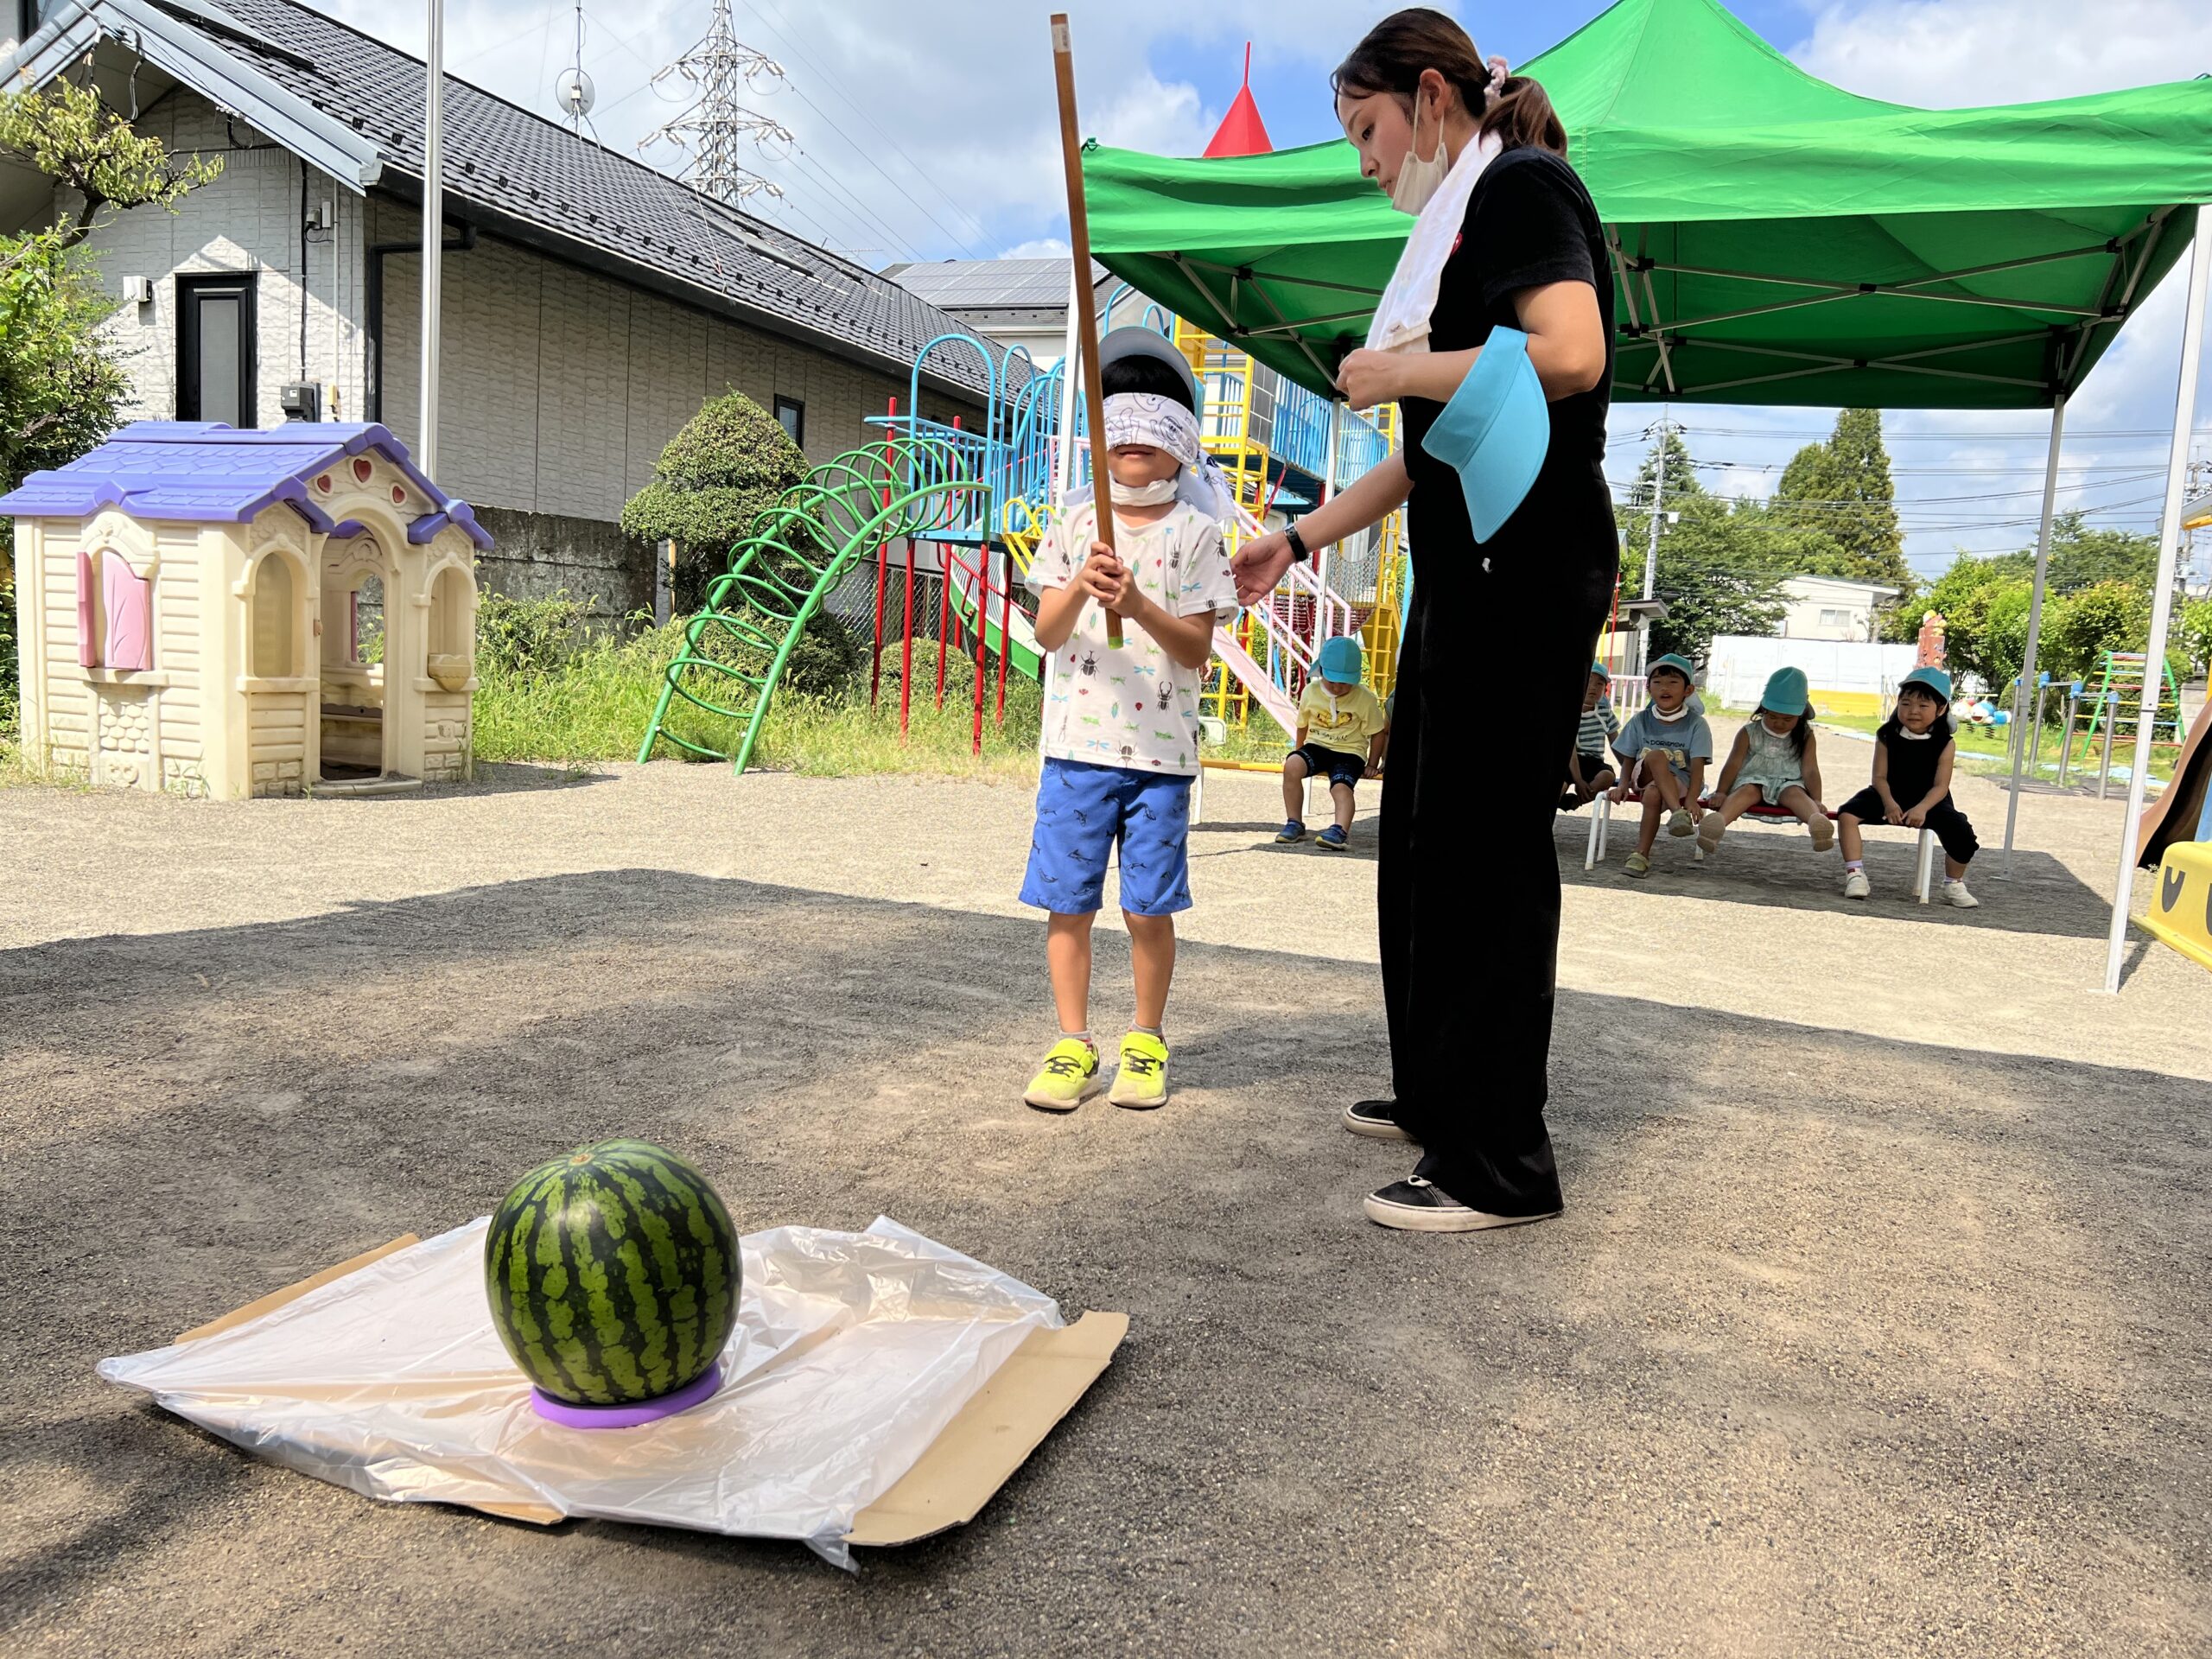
(1372, 1118)
(1416, 1207)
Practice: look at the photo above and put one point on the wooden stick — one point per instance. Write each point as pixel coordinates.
(1102, 492)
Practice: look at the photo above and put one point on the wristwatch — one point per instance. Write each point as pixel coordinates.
(1299, 551)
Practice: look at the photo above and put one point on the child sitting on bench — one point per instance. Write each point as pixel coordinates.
(1342, 732)
(1774, 763)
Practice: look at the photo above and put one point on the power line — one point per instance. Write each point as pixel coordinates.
(786, 35)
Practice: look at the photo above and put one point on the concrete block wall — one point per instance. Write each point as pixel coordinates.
(249, 220)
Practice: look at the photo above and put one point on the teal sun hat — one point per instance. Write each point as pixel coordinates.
(1602, 672)
(1495, 431)
(1340, 660)
(1786, 692)
(1934, 679)
(1675, 660)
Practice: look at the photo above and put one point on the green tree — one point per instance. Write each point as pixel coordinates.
(2079, 627)
(1719, 571)
(1840, 493)
(59, 391)
(726, 466)
(2192, 633)
(2081, 557)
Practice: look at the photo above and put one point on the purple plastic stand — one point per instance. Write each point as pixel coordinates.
(650, 1411)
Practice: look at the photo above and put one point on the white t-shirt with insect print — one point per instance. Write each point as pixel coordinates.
(1136, 707)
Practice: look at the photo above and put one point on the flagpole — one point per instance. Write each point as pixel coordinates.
(426, 443)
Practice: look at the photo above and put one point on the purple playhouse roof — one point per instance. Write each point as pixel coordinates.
(203, 472)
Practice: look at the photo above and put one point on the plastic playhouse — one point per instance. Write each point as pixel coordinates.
(234, 613)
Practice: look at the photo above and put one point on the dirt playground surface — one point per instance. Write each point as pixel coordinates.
(1879, 1321)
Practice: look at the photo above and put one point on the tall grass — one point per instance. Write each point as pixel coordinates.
(550, 690)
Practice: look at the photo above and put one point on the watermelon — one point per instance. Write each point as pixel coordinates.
(613, 1273)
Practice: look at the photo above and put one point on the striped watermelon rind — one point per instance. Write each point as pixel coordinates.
(612, 1274)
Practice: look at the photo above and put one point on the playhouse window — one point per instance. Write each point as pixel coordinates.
(449, 614)
(367, 603)
(115, 612)
(273, 651)
(791, 413)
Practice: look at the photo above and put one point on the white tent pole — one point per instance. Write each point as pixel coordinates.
(2162, 602)
(2035, 617)
(426, 441)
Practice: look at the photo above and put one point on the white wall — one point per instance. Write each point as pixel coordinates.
(561, 386)
(248, 220)
(1737, 669)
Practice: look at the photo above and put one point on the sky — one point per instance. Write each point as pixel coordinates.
(928, 131)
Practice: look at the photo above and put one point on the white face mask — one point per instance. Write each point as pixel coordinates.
(1419, 180)
(1157, 493)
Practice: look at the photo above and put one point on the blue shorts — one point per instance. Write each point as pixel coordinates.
(1082, 811)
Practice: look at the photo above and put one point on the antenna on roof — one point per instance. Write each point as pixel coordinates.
(716, 126)
(574, 91)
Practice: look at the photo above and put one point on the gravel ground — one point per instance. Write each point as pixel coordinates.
(1878, 1323)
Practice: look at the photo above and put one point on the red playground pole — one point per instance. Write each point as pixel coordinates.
(882, 560)
(983, 613)
(1006, 633)
(906, 646)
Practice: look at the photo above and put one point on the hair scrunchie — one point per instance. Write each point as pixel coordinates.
(1495, 90)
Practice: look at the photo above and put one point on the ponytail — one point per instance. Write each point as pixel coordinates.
(1393, 55)
(1522, 115)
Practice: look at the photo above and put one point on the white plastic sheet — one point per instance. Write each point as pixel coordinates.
(851, 1351)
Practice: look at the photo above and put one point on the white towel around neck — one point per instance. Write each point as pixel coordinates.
(1402, 318)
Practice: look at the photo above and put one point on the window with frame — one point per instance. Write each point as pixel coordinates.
(1835, 619)
(272, 650)
(791, 414)
(115, 612)
(215, 362)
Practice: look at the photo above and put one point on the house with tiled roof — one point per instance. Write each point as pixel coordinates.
(590, 303)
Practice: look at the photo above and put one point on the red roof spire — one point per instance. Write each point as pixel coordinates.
(1242, 132)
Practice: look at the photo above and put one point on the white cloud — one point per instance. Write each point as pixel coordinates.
(1039, 247)
(1956, 54)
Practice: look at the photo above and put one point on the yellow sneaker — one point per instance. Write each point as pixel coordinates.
(1141, 1083)
(1069, 1077)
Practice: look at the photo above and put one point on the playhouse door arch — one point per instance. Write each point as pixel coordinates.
(359, 657)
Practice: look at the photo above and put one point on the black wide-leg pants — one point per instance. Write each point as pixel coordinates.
(1491, 677)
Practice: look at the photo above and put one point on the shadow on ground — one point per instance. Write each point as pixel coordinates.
(1843, 1341)
(1771, 864)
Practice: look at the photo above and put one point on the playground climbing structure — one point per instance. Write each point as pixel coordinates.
(973, 503)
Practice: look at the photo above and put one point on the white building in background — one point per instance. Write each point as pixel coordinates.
(1830, 607)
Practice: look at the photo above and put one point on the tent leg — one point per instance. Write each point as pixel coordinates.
(2023, 744)
(2162, 602)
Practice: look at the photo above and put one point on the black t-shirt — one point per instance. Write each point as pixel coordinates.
(1529, 222)
(1912, 763)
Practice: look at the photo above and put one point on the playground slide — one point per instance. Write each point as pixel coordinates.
(1029, 661)
(1028, 657)
(782, 573)
(2178, 814)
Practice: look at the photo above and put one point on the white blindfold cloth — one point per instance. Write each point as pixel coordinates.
(1162, 423)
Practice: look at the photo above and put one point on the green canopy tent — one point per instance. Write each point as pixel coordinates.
(1775, 239)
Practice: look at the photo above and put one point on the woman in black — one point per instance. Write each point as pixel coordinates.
(1498, 642)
